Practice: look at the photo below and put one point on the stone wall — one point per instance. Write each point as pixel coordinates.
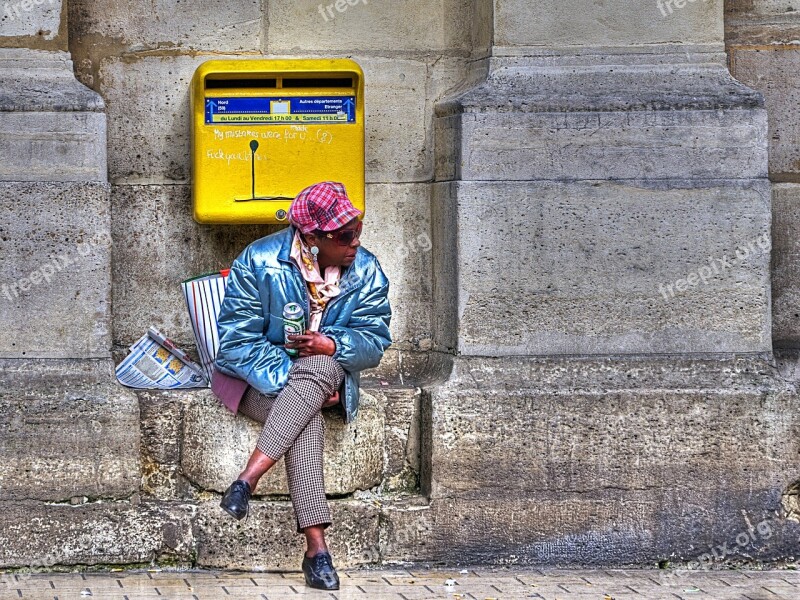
(544, 185)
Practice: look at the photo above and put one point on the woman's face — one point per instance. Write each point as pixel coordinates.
(332, 251)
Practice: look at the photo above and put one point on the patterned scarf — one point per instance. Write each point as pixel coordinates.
(320, 289)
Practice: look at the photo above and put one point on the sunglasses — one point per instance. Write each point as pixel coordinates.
(346, 237)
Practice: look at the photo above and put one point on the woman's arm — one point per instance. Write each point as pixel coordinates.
(244, 350)
(361, 344)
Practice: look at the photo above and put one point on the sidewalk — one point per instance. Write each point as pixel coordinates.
(475, 584)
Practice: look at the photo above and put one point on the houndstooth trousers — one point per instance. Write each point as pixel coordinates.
(294, 428)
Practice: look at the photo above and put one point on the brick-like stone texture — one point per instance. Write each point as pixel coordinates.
(217, 444)
(600, 267)
(786, 265)
(773, 72)
(66, 430)
(268, 539)
(43, 535)
(56, 251)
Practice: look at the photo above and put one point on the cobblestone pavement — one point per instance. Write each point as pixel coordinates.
(472, 584)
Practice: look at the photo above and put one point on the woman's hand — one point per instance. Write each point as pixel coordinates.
(311, 343)
(332, 401)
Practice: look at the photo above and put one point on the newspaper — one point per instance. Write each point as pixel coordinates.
(155, 362)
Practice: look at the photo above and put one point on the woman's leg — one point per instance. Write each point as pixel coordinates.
(256, 405)
(312, 381)
(307, 484)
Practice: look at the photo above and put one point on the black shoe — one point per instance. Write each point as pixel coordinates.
(319, 572)
(236, 499)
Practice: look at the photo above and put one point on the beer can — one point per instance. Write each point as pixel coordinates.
(293, 324)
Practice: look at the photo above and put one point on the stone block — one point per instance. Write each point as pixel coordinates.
(404, 251)
(403, 437)
(52, 128)
(31, 141)
(773, 72)
(34, 19)
(615, 529)
(42, 535)
(66, 429)
(398, 120)
(612, 145)
(157, 244)
(268, 540)
(140, 25)
(217, 444)
(368, 26)
(148, 116)
(786, 265)
(617, 23)
(161, 414)
(56, 251)
(562, 268)
(692, 427)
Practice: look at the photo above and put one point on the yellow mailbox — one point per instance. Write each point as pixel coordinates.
(262, 130)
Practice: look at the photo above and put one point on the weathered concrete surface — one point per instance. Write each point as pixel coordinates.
(629, 23)
(161, 424)
(786, 265)
(757, 22)
(51, 127)
(562, 268)
(404, 250)
(36, 18)
(603, 462)
(402, 445)
(44, 535)
(773, 72)
(56, 254)
(369, 26)
(634, 528)
(157, 245)
(217, 444)
(268, 539)
(216, 25)
(606, 145)
(560, 425)
(67, 429)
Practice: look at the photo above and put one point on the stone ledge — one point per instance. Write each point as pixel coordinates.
(591, 84)
(43, 535)
(268, 538)
(623, 529)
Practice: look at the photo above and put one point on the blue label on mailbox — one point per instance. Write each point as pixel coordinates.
(277, 110)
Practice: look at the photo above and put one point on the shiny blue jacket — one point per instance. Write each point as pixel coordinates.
(262, 280)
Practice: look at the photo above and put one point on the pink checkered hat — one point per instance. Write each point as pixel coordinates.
(323, 206)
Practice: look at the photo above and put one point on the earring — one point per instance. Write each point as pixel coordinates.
(315, 251)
